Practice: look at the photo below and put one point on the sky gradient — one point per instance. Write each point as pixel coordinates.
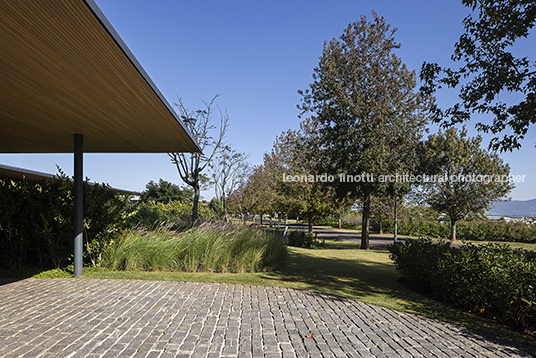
(257, 55)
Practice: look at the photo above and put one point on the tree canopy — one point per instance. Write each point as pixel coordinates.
(464, 178)
(488, 69)
(164, 192)
(369, 116)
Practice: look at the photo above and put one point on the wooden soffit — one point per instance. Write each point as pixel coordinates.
(64, 70)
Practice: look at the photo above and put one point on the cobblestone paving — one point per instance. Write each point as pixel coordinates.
(129, 318)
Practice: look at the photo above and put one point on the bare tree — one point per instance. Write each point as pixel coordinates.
(200, 124)
(230, 171)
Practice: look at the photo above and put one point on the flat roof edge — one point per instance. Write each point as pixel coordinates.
(115, 36)
(33, 175)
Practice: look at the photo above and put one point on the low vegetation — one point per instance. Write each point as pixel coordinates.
(470, 230)
(210, 247)
(491, 280)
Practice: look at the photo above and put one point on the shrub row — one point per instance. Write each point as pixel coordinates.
(498, 230)
(36, 221)
(489, 230)
(491, 280)
(419, 228)
(210, 247)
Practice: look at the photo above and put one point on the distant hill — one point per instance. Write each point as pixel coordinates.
(525, 208)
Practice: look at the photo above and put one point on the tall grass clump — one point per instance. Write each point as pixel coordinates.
(210, 247)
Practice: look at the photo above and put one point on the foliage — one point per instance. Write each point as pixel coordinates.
(468, 178)
(299, 238)
(295, 154)
(177, 214)
(164, 192)
(422, 228)
(36, 225)
(498, 230)
(212, 247)
(350, 219)
(54, 273)
(216, 206)
(369, 118)
(492, 280)
(489, 70)
(229, 171)
(258, 194)
(191, 165)
(468, 230)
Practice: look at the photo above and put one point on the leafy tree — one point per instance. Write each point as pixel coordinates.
(382, 208)
(191, 165)
(295, 155)
(369, 117)
(230, 170)
(36, 224)
(466, 178)
(255, 195)
(216, 205)
(164, 192)
(488, 70)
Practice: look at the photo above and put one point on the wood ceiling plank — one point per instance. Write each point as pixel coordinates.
(62, 73)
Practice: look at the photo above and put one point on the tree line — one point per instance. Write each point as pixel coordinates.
(364, 115)
(366, 119)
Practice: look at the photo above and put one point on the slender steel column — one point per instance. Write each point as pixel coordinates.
(78, 203)
(396, 222)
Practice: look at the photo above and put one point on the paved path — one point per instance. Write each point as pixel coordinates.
(130, 318)
(375, 241)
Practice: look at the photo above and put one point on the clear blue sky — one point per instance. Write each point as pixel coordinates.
(257, 54)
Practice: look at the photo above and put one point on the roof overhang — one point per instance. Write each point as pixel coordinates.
(16, 173)
(64, 70)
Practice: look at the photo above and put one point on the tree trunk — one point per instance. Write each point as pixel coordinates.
(197, 194)
(380, 227)
(340, 223)
(310, 224)
(452, 229)
(261, 219)
(286, 220)
(365, 226)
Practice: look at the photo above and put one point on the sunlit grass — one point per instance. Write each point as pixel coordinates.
(211, 247)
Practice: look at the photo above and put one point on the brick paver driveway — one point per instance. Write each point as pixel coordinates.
(130, 318)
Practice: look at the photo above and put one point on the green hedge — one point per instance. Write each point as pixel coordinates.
(491, 280)
(36, 221)
(419, 228)
(497, 230)
(488, 230)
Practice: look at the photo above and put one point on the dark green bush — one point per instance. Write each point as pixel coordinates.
(36, 221)
(491, 280)
(497, 230)
(419, 228)
(477, 230)
(303, 239)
